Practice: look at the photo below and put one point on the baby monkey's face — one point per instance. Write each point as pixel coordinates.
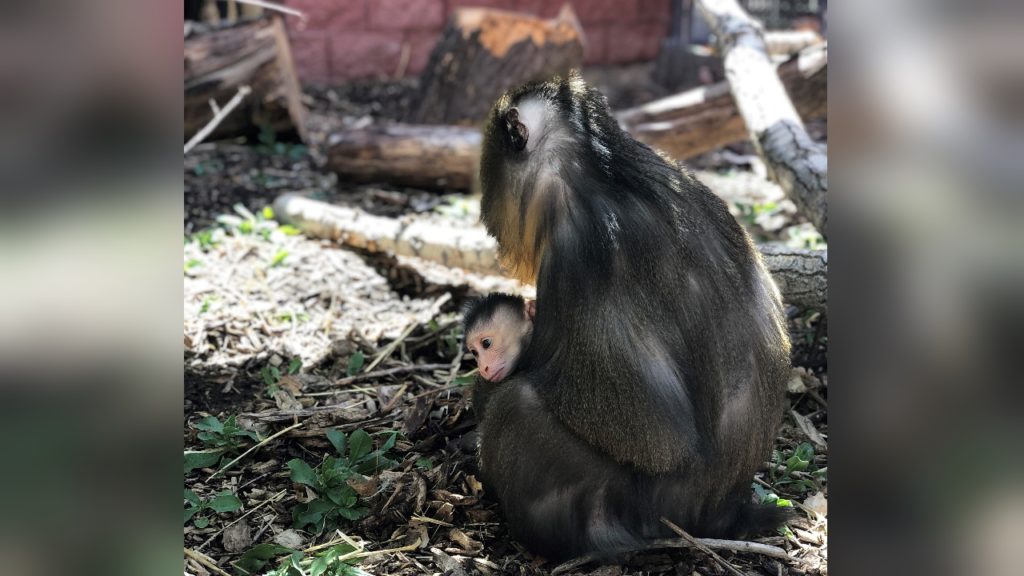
(497, 342)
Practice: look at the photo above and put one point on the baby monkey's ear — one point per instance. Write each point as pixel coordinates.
(531, 309)
(517, 132)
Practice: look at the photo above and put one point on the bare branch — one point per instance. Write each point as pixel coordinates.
(217, 118)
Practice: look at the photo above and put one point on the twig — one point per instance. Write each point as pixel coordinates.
(711, 543)
(205, 561)
(686, 536)
(737, 546)
(428, 520)
(388, 372)
(273, 498)
(435, 308)
(217, 118)
(394, 399)
(254, 448)
(386, 352)
(276, 7)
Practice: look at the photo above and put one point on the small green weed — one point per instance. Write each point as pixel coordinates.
(798, 470)
(223, 502)
(271, 375)
(220, 439)
(355, 363)
(270, 145)
(336, 500)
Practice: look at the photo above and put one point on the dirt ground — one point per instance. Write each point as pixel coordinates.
(291, 338)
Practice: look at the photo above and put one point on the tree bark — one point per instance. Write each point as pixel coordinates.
(255, 53)
(706, 118)
(432, 157)
(796, 162)
(799, 274)
(483, 52)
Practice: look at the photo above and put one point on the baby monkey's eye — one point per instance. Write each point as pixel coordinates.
(486, 343)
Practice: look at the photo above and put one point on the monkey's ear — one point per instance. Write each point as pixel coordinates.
(531, 309)
(517, 132)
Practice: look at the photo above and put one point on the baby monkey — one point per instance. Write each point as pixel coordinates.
(497, 329)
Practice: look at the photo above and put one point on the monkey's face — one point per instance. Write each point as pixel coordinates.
(497, 343)
(530, 149)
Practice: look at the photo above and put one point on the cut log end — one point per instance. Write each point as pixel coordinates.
(484, 52)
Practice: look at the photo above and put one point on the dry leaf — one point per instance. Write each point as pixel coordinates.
(285, 400)
(817, 503)
(290, 539)
(237, 537)
(796, 385)
(469, 546)
(807, 427)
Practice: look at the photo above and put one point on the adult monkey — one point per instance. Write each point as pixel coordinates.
(653, 383)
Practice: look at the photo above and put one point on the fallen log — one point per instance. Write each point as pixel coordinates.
(683, 125)
(799, 274)
(432, 157)
(794, 160)
(484, 52)
(706, 118)
(220, 60)
(790, 41)
(468, 248)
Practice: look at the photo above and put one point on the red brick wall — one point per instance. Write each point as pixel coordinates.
(347, 39)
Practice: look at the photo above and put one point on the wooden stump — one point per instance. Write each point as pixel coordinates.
(483, 52)
(218, 60)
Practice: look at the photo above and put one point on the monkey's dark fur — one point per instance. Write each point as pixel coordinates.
(653, 383)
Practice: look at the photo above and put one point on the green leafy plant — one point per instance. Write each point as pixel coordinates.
(292, 317)
(355, 363)
(227, 435)
(271, 374)
(336, 500)
(798, 472)
(270, 145)
(206, 239)
(278, 258)
(749, 213)
(222, 502)
(765, 496)
(338, 560)
(205, 166)
(220, 439)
